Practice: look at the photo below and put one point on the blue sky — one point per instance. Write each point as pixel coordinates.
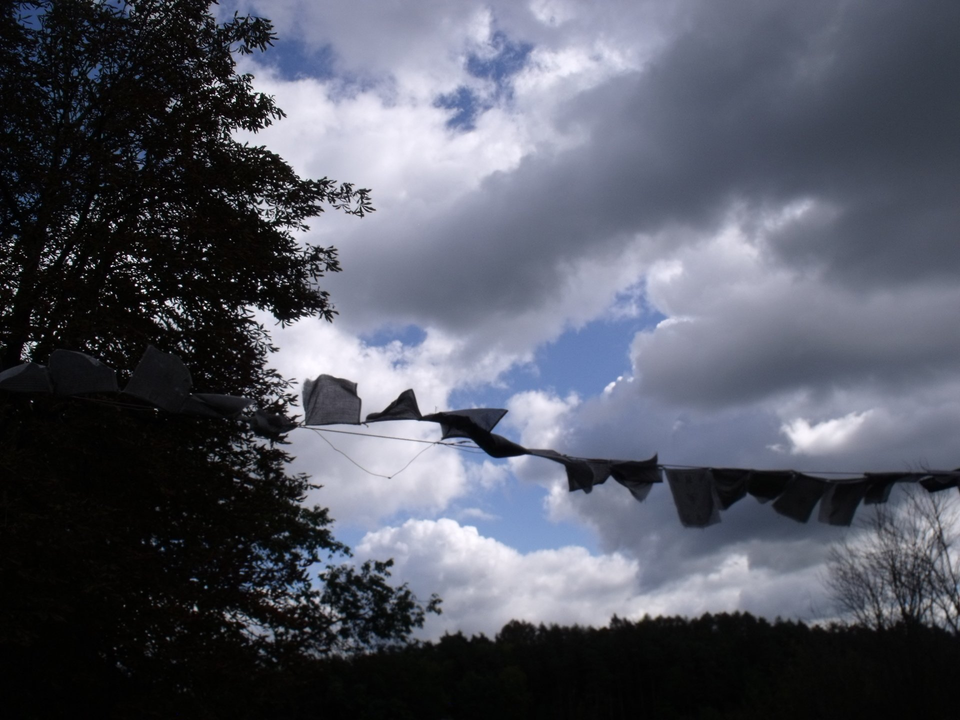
(721, 232)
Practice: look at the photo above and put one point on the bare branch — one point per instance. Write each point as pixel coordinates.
(902, 567)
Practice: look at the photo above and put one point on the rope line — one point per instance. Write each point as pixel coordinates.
(374, 435)
(115, 403)
(465, 446)
(370, 472)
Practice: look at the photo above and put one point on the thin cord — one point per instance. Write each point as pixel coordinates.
(370, 472)
(455, 445)
(476, 450)
(373, 435)
(115, 403)
(462, 446)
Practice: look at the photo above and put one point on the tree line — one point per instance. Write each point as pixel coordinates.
(715, 666)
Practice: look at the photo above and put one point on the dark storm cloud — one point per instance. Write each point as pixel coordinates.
(914, 432)
(667, 551)
(851, 105)
(802, 337)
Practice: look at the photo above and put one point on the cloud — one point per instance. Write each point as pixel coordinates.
(767, 330)
(540, 416)
(435, 39)
(773, 184)
(488, 474)
(541, 419)
(477, 514)
(484, 584)
(743, 109)
(823, 437)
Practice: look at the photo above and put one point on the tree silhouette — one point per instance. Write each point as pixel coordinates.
(715, 666)
(145, 554)
(904, 569)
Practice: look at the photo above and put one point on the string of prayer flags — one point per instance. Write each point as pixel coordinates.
(161, 380)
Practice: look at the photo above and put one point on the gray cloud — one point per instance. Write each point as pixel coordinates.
(805, 336)
(825, 134)
(754, 106)
(911, 431)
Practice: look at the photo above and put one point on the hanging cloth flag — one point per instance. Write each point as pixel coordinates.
(767, 485)
(271, 425)
(28, 377)
(497, 446)
(452, 422)
(160, 379)
(587, 473)
(637, 476)
(935, 482)
(582, 474)
(403, 408)
(880, 486)
(330, 401)
(800, 496)
(74, 373)
(694, 496)
(216, 406)
(465, 424)
(731, 485)
(841, 501)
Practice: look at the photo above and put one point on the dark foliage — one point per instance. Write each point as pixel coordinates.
(717, 666)
(154, 563)
(128, 211)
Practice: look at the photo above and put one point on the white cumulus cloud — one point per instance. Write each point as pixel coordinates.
(823, 437)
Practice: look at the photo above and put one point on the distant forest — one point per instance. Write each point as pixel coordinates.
(717, 666)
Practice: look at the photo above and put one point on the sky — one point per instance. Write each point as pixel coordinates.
(724, 232)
